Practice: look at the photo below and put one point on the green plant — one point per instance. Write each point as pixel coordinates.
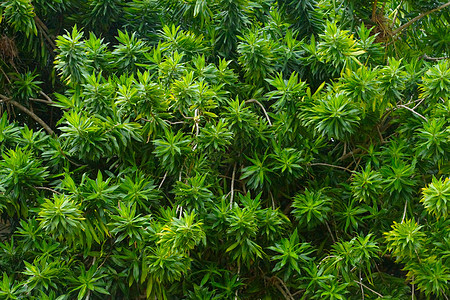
(182, 234)
(334, 117)
(290, 252)
(72, 58)
(435, 81)
(405, 239)
(126, 224)
(88, 282)
(227, 149)
(311, 208)
(20, 15)
(61, 217)
(367, 185)
(436, 197)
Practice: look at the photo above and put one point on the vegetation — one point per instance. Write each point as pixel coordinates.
(224, 149)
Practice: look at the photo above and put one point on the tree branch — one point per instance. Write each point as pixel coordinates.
(374, 9)
(45, 32)
(404, 211)
(333, 166)
(356, 151)
(48, 189)
(162, 181)
(413, 111)
(46, 96)
(283, 289)
(365, 286)
(28, 112)
(262, 107)
(406, 25)
(40, 100)
(232, 186)
(426, 57)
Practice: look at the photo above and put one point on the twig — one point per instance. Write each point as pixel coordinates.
(328, 256)
(167, 121)
(46, 96)
(162, 181)
(262, 107)
(273, 201)
(104, 261)
(446, 298)
(426, 57)
(421, 100)
(232, 186)
(413, 111)
(333, 166)
(357, 150)
(238, 273)
(3, 98)
(197, 130)
(48, 189)
(400, 29)
(68, 159)
(357, 163)
(365, 286)
(287, 294)
(6, 76)
(196, 120)
(186, 117)
(360, 282)
(297, 292)
(32, 115)
(374, 10)
(379, 134)
(40, 100)
(404, 211)
(329, 230)
(45, 32)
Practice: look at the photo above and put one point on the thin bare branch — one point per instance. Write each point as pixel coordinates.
(168, 122)
(329, 230)
(333, 166)
(421, 100)
(28, 112)
(232, 186)
(365, 286)
(360, 283)
(46, 96)
(262, 107)
(356, 151)
(162, 181)
(374, 10)
(404, 211)
(40, 100)
(406, 25)
(287, 294)
(47, 189)
(44, 30)
(426, 57)
(413, 111)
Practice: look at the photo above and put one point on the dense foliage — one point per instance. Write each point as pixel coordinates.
(224, 149)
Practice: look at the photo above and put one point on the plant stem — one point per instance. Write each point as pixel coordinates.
(232, 186)
(32, 115)
(400, 29)
(333, 166)
(262, 107)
